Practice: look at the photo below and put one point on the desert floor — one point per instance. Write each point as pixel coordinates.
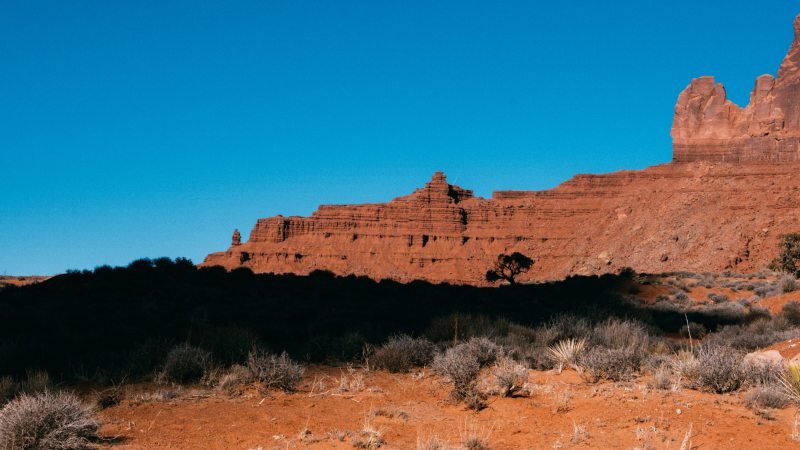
(334, 405)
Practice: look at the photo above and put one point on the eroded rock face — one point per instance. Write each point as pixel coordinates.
(698, 216)
(723, 203)
(707, 126)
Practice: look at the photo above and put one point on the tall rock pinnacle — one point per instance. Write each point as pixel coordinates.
(707, 126)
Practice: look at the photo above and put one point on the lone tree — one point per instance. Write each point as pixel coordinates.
(789, 256)
(508, 267)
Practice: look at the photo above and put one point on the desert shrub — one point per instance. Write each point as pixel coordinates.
(681, 297)
(510, 376)
(236, 375)
(765, 290)
(431, 443)
(461, 367)
(521, 344)
(145, 359)
(755, 313)
(185, 363)
(663, 378)
(35, 381)
(401, 353)
(228, 345)
(274, 371)
(368, 438)
(474, 443)
(759, 373)
(566, 352)
(718, 298)
(621, 334)
(757, 334)
(8, 389)
(565, 326)
(483, 349)
(110, 396)
(727, 312)
(694, 329)
(765, 396)
(616, 364)
(348, 347)
(686, 365)
(791, 312)
(720, 369)
(787, 283)
(53, 421)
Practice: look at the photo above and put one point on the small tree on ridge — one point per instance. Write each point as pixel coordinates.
(508, 267)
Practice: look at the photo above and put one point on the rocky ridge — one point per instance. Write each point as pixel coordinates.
(722, 204)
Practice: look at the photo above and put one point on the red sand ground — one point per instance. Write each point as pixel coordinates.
(613, 415)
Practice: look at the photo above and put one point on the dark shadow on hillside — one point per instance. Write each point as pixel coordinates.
(80, 322)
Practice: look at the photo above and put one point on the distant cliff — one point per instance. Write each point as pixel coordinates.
(731, 190)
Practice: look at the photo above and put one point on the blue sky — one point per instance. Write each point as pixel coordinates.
(154, 128)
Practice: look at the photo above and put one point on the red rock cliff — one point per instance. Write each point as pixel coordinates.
(722, 204)
(708, 126)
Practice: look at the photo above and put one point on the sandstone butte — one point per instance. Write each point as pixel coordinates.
(730, 191)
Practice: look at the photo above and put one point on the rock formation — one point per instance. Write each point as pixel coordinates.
(730, 192)
(236, 239)
(707, 126)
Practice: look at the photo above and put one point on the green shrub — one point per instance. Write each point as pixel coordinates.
(52, 421)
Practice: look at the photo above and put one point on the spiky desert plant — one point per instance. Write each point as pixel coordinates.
(790, 382)
(566, 352)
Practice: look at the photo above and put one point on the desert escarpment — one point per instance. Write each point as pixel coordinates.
(722, 204)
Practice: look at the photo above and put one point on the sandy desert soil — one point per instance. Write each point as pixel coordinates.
(562, 411)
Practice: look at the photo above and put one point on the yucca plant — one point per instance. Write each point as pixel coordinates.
(566, 352)
(790, 381)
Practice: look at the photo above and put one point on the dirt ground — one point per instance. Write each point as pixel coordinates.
(562, 411)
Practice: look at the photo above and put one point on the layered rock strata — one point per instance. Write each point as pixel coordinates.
(707, 126)
(730, 192)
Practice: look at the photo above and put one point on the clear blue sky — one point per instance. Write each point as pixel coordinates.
(153, 128)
